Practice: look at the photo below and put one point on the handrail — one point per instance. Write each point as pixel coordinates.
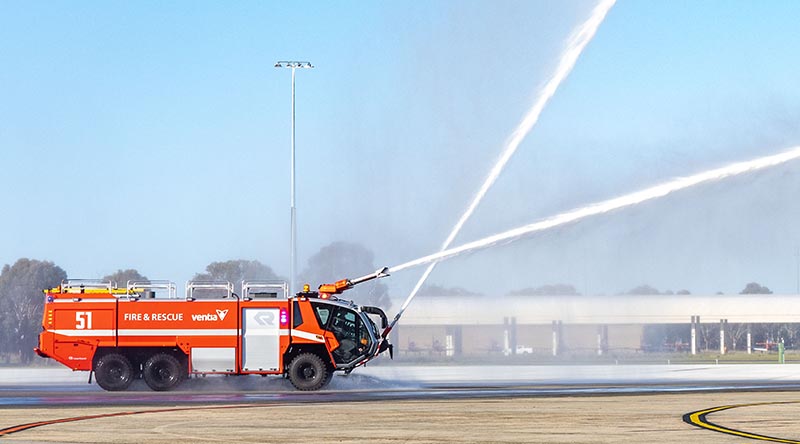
(191, 286)
(248, 288)
(81, 285)
(143, 288)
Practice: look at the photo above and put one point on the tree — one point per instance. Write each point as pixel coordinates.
(22, 302)
(789, 333)
(643, 290)
(121, 277)
(736, 331)
(6, 327)
(547, 290)
(709, 335)
(236, 271)
(755, 288)
(683, 292)
(341, 260)
(438, 290)
(769, 332)
(665, 337)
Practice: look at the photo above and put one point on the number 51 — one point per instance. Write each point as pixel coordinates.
(83, 320)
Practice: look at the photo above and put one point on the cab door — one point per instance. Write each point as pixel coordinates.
(350, 333)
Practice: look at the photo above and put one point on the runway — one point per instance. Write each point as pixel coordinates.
(594, 403)
(61, 387)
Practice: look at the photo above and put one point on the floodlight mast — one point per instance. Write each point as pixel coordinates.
(293, 65)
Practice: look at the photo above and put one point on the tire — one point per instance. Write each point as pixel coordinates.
(308, 372)
(163, 372)
(113, 372)
(330, 376)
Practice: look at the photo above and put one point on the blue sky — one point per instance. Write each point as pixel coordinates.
(155, 135)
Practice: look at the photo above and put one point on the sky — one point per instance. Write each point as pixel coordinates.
(156, 135)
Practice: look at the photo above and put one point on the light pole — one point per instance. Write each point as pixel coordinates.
(797, 258)
(293, 65)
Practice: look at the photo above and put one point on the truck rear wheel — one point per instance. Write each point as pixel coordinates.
(162, 372)
(113, 372)
(307, 372)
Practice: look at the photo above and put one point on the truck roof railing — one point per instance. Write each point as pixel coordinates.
(87, 286)
(264, 289)
(209, 286)
(148, 289)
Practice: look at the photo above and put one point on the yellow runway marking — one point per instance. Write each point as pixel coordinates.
(699, 419)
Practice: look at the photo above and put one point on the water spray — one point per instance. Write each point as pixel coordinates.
(606, 206)
(582, 35)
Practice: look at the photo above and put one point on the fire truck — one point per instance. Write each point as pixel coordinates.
(146, 331)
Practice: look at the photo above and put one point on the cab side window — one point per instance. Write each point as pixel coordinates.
(322, 312)
(297, 315)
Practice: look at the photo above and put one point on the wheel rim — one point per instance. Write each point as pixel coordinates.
(115, 374)
(162, 374)
(308, 372)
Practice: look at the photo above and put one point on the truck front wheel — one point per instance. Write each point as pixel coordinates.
(308, 372)
(162, 372)
(113, 372)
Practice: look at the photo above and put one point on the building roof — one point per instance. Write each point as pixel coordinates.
(618, 309)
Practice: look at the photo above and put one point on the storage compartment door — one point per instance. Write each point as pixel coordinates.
(260, 339)
(213, 359)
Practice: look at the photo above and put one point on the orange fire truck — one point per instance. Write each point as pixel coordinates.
(145, 331)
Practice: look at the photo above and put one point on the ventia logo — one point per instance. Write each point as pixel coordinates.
(220, 316)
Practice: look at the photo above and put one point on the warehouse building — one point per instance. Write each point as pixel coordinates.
(468, 326)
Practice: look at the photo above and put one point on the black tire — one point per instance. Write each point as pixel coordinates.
(328, 380)
(308, 372)
(113, 372)
(162, 372)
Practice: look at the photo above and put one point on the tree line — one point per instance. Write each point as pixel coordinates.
(22, 283)
(22, 300)
(570, 290)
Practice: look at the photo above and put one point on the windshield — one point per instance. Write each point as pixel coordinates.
(371, 325)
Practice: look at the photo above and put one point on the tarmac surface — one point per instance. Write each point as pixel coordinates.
(560, 404)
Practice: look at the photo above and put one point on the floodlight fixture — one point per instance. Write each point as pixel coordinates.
(293, 64)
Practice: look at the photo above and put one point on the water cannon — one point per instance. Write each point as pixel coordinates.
(339, 287)
(383, 272)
